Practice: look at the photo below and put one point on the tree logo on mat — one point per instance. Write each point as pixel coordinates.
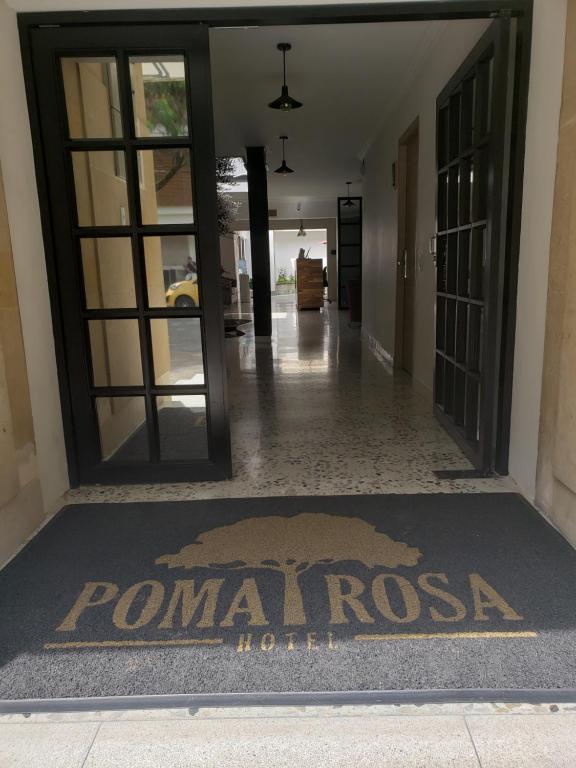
(391, 600)
(292, 545)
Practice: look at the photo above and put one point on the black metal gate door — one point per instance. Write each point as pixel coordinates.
(473, 141)
(125, 119)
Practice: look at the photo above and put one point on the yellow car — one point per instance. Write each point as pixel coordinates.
(183, 294)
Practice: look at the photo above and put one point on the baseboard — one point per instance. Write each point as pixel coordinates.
(378, 350)
(387, 360)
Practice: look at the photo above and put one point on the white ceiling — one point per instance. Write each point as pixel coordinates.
(348, 77)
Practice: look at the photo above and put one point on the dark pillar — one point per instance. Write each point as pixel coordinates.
(259, 242)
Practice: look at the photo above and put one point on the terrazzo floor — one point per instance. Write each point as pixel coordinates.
(316, 413)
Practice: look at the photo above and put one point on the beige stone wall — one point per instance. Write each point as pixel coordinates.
(556, 479)
(21, 507)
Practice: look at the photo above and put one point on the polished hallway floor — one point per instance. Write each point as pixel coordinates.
(315, 412)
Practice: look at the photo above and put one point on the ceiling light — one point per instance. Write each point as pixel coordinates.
(284, 101)
(301, 232)
(283, 169)
(348, 203)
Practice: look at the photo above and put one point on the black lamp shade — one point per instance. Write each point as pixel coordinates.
(283, 169)
(285, 102)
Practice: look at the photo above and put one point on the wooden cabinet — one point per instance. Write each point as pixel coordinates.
(309, 284)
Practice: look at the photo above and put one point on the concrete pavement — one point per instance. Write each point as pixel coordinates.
(430, 736)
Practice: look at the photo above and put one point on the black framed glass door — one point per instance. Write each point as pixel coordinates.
(473, 145)
(125, 117)
(349, 246)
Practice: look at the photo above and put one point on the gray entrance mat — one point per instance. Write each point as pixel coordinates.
(348, 593)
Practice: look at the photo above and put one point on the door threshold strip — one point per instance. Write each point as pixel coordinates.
(462, 474)
(291, 699)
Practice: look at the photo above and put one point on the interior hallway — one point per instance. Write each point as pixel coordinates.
(315, 413)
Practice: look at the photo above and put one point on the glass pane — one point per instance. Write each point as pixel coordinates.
(115, 350)
(177, 350)
(122, 426)
(350, 273)
(350, 255)
(351, 234)
(165, 186)
(92, 97)
(159, 96)
(108, 273)
(171, 272)
(101, 194)
(182, 427)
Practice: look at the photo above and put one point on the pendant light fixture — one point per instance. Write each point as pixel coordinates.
(301, 232)
(348, 203)
(283, 169)
(284, 102)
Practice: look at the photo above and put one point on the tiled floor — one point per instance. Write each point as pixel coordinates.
(433, 736)
(315, 412)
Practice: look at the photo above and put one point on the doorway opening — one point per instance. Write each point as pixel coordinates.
(332, 157)
(92, 338)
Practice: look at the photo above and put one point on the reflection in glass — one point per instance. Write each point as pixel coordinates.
(122, 427)
(159, 96)
(171, 271)
(182, 427)
(115, 352)
(177, 350)
(347, 275)
(92, 97)
(165, 186)
(101, 194)
(108, 273)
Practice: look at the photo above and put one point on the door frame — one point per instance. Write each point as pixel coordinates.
(428, 10)
(401, 184)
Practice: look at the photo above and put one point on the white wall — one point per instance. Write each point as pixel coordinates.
(29, 264)
(453, 42)
(291, 207)
(545, 99)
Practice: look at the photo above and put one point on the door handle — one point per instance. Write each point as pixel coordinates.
(405, 264)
